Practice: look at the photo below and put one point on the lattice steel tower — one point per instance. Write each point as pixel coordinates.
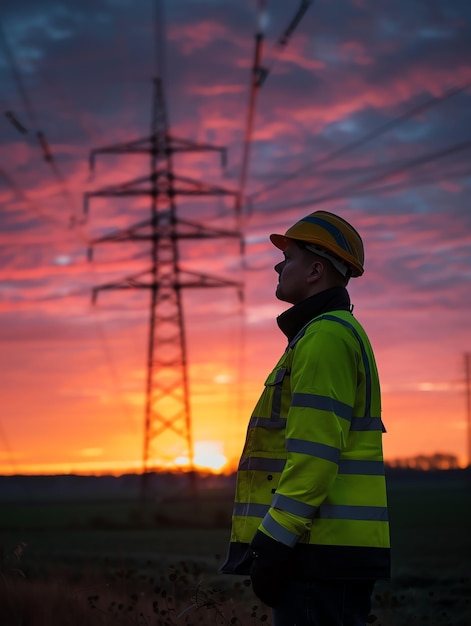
(167, 405)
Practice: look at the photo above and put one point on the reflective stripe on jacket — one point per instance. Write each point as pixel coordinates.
(311, 473)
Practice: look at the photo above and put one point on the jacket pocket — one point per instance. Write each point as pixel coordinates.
(274, 387)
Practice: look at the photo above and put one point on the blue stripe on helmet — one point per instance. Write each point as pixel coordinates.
(333, 230)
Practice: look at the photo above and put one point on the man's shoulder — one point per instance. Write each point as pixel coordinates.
(333, 321)
(340, 324)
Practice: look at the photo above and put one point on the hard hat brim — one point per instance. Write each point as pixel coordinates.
(280, 241)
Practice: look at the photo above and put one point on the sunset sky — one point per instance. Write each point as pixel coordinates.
(72, 374)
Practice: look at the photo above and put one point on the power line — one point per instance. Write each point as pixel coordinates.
(15, 122)
(283, 40)
(359, 186)
(259, 74)
(112, 369)
(74, 293)
(46, 151)
(289, 30)
(332, 176)
(420, 108)
(17, 78)
(258, 77)
(412, 184)
(255, 83)
(22, 197)
(407, 185)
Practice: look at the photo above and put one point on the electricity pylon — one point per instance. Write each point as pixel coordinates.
(167, 405)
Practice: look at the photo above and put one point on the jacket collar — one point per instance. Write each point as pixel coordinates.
(291, 321)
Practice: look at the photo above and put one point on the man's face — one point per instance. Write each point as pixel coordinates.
(293, 274)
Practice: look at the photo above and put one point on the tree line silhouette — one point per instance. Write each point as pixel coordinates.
(426, 462)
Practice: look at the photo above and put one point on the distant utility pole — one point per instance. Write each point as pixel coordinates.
(167, 405)
(467, 367)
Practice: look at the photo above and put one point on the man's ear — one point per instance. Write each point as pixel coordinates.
(316, 271)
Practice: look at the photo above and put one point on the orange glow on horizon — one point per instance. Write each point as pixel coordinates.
(420, 418)
(209, 462)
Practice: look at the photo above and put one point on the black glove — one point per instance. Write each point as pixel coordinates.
(271, 568)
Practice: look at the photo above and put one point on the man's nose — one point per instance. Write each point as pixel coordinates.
(279, 267)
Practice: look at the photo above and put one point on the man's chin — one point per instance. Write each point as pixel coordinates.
(280, 296)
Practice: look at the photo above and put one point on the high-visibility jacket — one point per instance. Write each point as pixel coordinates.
(311, 473)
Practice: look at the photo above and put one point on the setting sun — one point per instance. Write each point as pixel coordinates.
(208, 456)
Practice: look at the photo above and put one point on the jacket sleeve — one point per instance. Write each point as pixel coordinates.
(323, 387)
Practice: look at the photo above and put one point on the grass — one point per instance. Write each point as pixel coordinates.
(106, 594)
(100, 568)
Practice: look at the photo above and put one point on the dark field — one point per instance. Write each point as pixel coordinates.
(109, 560)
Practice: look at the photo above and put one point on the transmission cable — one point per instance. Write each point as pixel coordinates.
(40, 136)
(17, 78)
(249, 122)
(418, 181)
(435, 100)
(259, 75)
(332, 176)
(78, 292)
(347, 190)
(22, 197)
(282, 42)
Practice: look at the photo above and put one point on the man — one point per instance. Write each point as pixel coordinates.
(310, 523)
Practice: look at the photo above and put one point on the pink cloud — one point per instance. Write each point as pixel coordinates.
(192, 38)
(356, 52)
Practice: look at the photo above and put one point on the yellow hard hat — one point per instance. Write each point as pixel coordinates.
(331, 234)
